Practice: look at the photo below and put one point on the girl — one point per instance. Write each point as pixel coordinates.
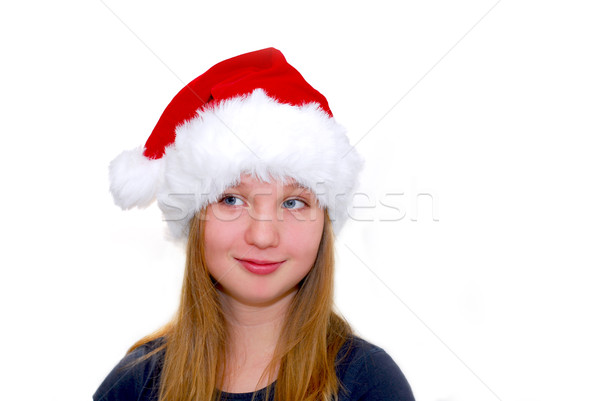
(249, 166)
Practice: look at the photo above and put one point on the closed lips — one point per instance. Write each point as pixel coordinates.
(259, 266)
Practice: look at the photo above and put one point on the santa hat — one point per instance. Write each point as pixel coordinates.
(252, 114)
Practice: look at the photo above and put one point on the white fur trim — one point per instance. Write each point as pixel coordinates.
(134, 179)
(256, 135)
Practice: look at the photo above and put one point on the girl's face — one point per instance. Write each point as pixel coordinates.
(261, 239)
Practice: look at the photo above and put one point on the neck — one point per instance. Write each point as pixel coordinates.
(251, 324)
(253, 333)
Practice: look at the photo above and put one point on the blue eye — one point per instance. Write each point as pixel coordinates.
(293, 204)
(231, 200)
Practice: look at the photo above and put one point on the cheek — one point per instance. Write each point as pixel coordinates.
(218, 242)
(305, 241)
(220, 229)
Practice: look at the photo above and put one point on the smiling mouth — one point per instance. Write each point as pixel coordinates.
(259, 266)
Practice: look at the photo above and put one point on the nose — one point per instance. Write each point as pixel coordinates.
(263, 231)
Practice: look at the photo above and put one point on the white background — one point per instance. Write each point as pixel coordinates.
(494, 119)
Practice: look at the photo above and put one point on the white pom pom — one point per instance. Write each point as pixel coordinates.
(134, 179)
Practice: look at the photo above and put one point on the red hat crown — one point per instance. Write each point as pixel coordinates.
(238, 76)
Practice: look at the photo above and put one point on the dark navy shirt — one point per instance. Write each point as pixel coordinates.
(366, 372)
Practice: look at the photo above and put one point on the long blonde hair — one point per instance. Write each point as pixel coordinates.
(195, 340)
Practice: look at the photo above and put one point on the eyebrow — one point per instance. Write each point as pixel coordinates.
(304, 190)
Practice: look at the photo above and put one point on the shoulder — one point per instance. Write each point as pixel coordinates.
(368, 373)
(134, 377)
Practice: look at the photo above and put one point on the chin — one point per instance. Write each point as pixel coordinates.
(265, 297)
